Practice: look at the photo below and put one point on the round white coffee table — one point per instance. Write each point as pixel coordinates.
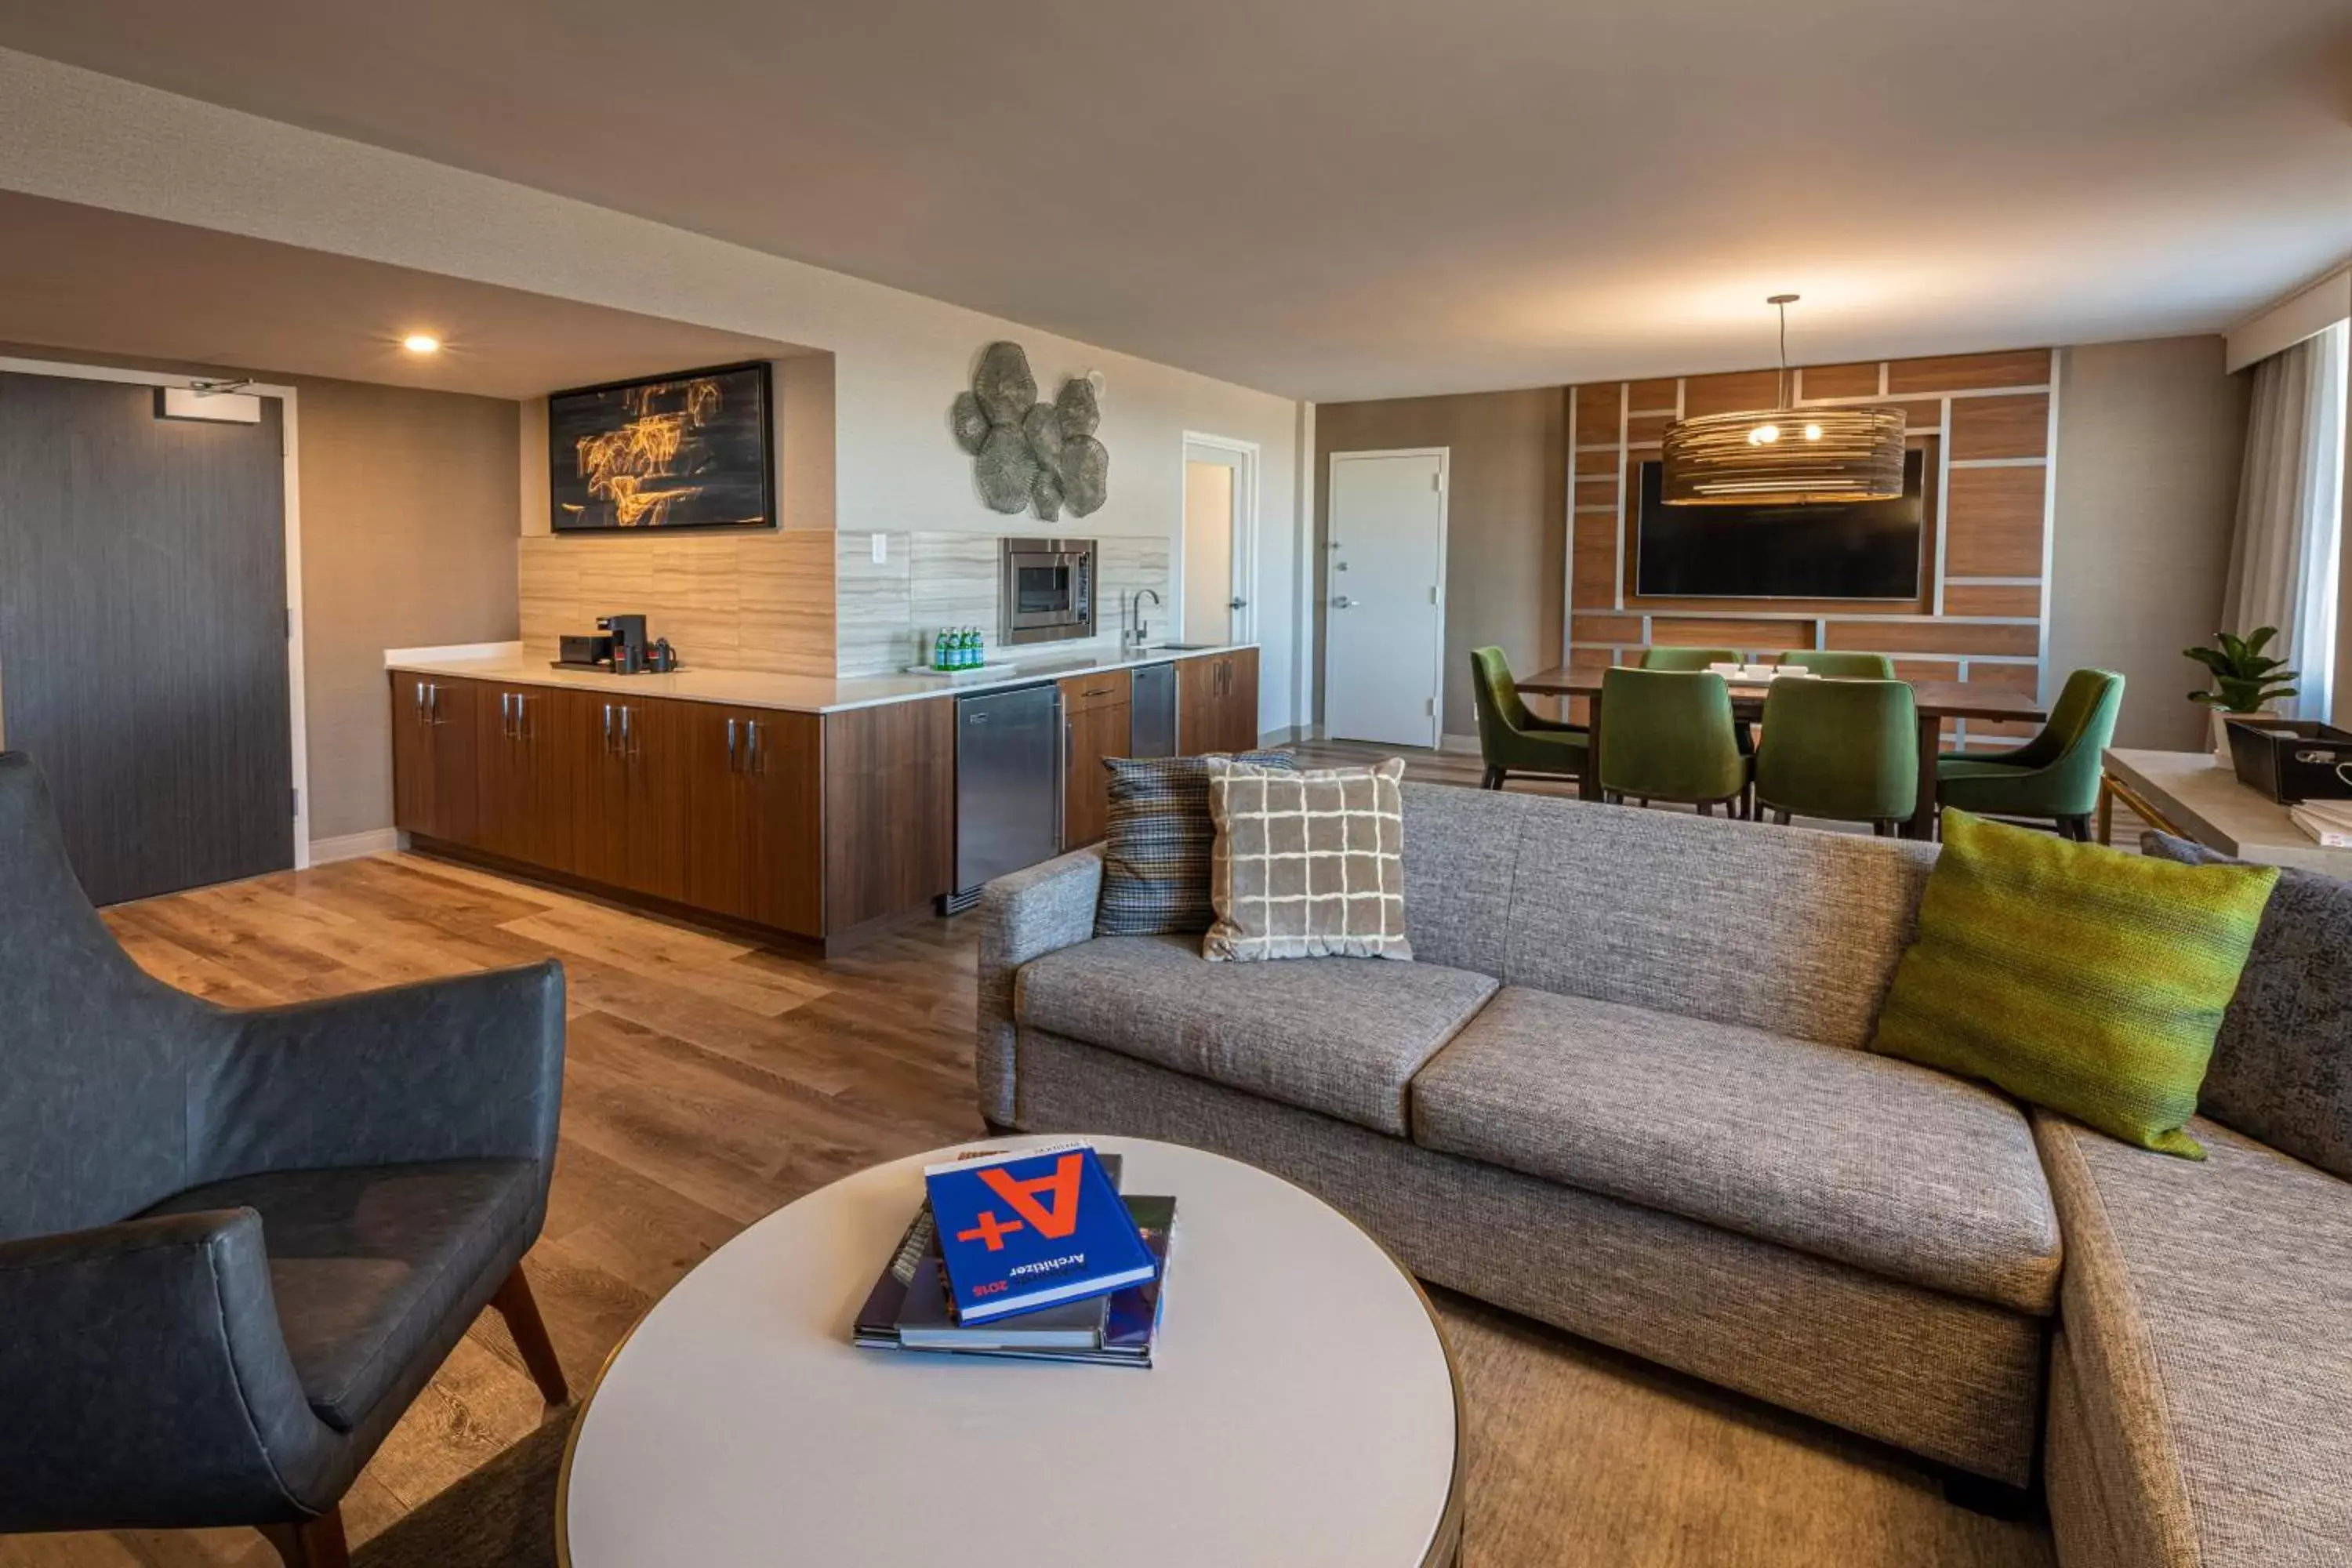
(1303, 1410)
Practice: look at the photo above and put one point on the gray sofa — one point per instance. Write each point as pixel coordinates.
(1623, 1090)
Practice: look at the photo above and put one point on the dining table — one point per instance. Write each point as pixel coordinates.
(1938, 702)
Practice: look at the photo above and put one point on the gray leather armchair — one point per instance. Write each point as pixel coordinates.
(233, 1246)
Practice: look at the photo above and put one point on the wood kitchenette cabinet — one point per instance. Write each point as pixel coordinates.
(824, 828)
(1097, 715)
(1216, 702)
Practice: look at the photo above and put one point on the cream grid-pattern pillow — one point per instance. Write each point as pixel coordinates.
(1308, 865)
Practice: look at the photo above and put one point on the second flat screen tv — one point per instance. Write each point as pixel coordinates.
(1839, 550)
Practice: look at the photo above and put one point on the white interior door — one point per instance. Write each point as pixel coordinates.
(1209, 594)
(1219, 574)
(1386, 613)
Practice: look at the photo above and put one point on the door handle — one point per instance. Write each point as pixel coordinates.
(1341, 602)
(1238, 604)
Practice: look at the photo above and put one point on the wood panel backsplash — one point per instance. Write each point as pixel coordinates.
(759, 601)
(1982, 615)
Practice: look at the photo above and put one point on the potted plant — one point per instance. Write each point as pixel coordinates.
(2246, 681)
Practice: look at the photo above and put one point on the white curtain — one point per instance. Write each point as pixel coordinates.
(2284, 564)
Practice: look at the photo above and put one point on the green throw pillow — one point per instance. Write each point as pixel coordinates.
(2080, 978)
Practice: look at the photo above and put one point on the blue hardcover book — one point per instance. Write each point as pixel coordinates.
(1031, 1228)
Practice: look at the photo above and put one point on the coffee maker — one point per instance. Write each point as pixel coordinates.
(628, 633)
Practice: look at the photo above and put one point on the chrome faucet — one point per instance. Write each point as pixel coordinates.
(1132, 635)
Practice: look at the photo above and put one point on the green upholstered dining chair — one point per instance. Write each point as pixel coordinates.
(1844, 750)
(2055, 775)
(1686, 658)
(1511, 739)
(1667, 735)
(1841, 663)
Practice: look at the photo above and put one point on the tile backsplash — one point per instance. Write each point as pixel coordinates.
(802, 601)
(887, 612)
(747, 601)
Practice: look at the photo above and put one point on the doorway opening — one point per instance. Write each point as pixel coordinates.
(1216, 586)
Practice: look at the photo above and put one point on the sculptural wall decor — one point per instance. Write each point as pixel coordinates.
(1027, 453)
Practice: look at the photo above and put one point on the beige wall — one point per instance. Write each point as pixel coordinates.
(1506, 522)
(898, 359)
(2150, 435)
(408, 540)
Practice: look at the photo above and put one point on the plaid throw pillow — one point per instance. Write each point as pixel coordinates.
(1156, 855)
(1308, 865)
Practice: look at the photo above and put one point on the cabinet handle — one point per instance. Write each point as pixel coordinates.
(507, 715)
(522, 717)
(629, 747)
(608, 728)
(754, 761)
(1062, 796)
(730, 745)
(420, 702)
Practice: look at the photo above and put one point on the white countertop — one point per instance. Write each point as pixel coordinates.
(751, 689)
(2204, 800)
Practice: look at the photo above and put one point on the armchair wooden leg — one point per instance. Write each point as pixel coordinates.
(314, 1544)
(1493, 779)
(518, 1306)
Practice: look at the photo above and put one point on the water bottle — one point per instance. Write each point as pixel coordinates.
(979, 648)
(971, 647)
(939, 650)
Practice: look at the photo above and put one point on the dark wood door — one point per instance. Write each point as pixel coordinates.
(142, 632)
(1197, 715)
(1238, 722)
(626, 778)
(889, 809)
(527, 807)
(1092, 735)
(754, 834)
(435, 744)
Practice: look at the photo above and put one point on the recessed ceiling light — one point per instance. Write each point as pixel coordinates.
(421, 344)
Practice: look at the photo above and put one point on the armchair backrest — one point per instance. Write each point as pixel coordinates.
(1500, 707)
(2070, 747)
(94, 1052)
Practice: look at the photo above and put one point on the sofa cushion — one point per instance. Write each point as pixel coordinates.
(1342, 1035)
(1887, 1166)
(2081, 979)
(2282, 1068)
(367, 1262)
(2209, 1331)
(1156, 851)
(1308, 865)
(1684, 933)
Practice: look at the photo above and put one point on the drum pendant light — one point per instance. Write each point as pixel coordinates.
(1784, 455)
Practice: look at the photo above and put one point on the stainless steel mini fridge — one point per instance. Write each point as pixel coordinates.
(1008, 784)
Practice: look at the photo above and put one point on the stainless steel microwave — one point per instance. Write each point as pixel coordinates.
(1048, 591)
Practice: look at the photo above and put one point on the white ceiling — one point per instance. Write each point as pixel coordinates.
(109, 283)
(1340, 198)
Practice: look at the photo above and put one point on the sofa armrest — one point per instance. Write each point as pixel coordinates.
(1024, 917)
(469, 1067)
(147, 1382)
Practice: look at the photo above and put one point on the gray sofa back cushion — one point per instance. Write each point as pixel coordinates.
(2282, 1068)
(1780, 928)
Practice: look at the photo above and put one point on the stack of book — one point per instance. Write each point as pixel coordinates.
(1031, 1254)
(2329, 822)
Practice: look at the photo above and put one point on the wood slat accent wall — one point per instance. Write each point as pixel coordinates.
(1985, 423)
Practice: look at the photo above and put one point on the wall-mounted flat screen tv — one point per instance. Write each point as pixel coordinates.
(1839, 550)
(689, 451)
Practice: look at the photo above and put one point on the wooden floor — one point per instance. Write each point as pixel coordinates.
(708, 1081)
